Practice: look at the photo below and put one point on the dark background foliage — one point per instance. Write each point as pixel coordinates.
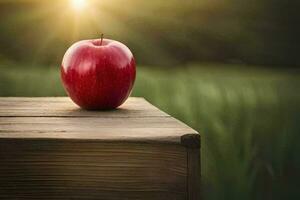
(261, 32)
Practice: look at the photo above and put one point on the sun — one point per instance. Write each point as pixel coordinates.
(78, 5)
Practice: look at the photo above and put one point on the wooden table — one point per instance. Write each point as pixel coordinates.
(51, 149)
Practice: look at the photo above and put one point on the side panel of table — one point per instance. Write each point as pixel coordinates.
(66, 169)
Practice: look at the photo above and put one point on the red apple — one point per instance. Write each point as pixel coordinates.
(98, 74)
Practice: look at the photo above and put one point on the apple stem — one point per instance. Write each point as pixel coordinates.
(101, 39)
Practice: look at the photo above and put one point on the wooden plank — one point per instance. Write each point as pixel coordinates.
(58, 118)
(194, 174)
(151, 129)
(66, 169)
(64, 107)
(51, 148)
(88, 123)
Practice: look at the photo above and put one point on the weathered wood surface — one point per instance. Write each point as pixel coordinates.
(59, 118)
(86, 170)
(64, 107)
(51, 149)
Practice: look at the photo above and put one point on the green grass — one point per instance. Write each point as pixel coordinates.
(248, 117)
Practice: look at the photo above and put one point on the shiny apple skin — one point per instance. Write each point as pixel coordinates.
(98, 76)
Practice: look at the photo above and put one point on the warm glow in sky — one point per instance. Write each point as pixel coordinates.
(78, 4)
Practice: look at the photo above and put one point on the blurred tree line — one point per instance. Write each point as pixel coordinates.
(172, 32)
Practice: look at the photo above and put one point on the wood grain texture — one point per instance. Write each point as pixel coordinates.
(64, 107)
(51, 149)
(88, 170)
(58, 118)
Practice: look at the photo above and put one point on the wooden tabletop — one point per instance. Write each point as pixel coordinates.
(59, 118)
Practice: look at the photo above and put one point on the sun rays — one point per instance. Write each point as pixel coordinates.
(50, 25)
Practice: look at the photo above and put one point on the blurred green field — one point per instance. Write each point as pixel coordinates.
(249, 119)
